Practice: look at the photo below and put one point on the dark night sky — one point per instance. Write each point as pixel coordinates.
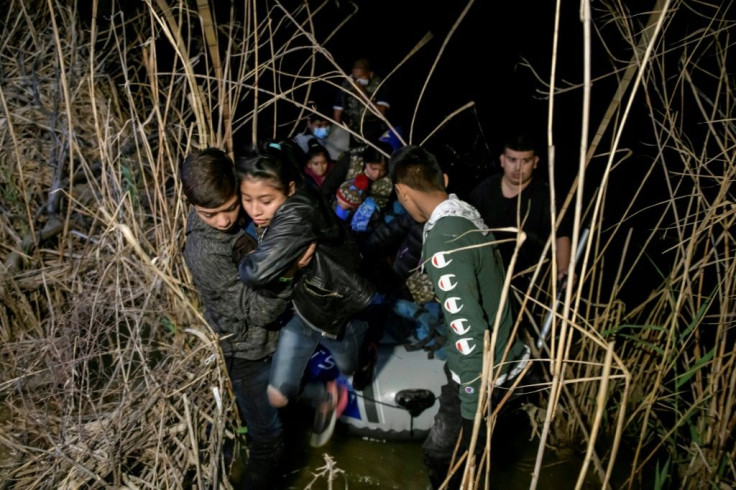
(478, 63)
(481, 63)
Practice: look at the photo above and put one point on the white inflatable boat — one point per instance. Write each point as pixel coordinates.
(402, 399)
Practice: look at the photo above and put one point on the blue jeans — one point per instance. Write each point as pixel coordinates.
(297, 343)
(265, 431)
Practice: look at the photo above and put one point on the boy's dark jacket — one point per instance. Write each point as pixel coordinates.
(329, 290)
(235, 311)
(403, 237)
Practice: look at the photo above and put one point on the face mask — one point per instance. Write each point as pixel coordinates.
(362, 81)
(321, 133)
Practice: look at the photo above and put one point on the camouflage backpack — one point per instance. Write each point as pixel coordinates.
(420, 287)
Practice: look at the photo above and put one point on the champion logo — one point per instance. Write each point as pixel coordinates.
(445, 283)
(460, 326)
(465, 346)
(439, 261)
(469, 390)
(453, 305)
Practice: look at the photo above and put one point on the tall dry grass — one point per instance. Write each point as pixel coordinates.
(109, 375)
(657, 379)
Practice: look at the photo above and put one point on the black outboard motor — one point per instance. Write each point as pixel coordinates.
(415, 401)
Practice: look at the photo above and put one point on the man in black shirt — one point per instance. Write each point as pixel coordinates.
(515, 198)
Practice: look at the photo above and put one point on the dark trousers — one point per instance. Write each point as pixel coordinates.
(440, 443)
(265, 431)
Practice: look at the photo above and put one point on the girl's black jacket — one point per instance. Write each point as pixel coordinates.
(328, 291)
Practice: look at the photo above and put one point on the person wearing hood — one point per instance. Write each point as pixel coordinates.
(320, 130)
(318, 163)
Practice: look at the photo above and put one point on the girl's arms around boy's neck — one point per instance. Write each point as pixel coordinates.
(287, 246)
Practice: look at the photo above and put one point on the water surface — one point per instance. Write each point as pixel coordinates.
(370, 464)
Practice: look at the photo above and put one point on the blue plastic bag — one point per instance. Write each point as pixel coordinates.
(362, 217)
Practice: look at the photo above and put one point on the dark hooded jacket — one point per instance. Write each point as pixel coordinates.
(329, 290)
(236, 312)
(392, 251)
(403, 235)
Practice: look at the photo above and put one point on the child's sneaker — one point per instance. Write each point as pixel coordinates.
(327, 414)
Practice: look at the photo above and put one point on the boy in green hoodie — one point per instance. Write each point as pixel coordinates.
(467, 275)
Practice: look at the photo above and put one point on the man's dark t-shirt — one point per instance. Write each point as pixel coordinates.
(534, 212)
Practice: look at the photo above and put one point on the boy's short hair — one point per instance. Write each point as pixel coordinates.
(362, 64)
(519, 141)
(377, 155)
(416, 168)
(317, 112)
(316, 117)
(208, 178)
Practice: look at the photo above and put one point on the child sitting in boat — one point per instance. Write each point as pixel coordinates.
(318, 164)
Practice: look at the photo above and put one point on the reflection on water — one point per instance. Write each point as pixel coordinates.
(398, 465)
(366, 464)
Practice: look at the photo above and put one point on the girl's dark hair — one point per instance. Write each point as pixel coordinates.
(208, 178)
(315, 148)
(277, 162)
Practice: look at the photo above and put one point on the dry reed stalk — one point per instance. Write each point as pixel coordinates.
(68, 374)
(679, 306)
(110, 330)
(434, 65)
(661, 371)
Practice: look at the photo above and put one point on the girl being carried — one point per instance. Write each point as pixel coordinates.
(328, 293)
